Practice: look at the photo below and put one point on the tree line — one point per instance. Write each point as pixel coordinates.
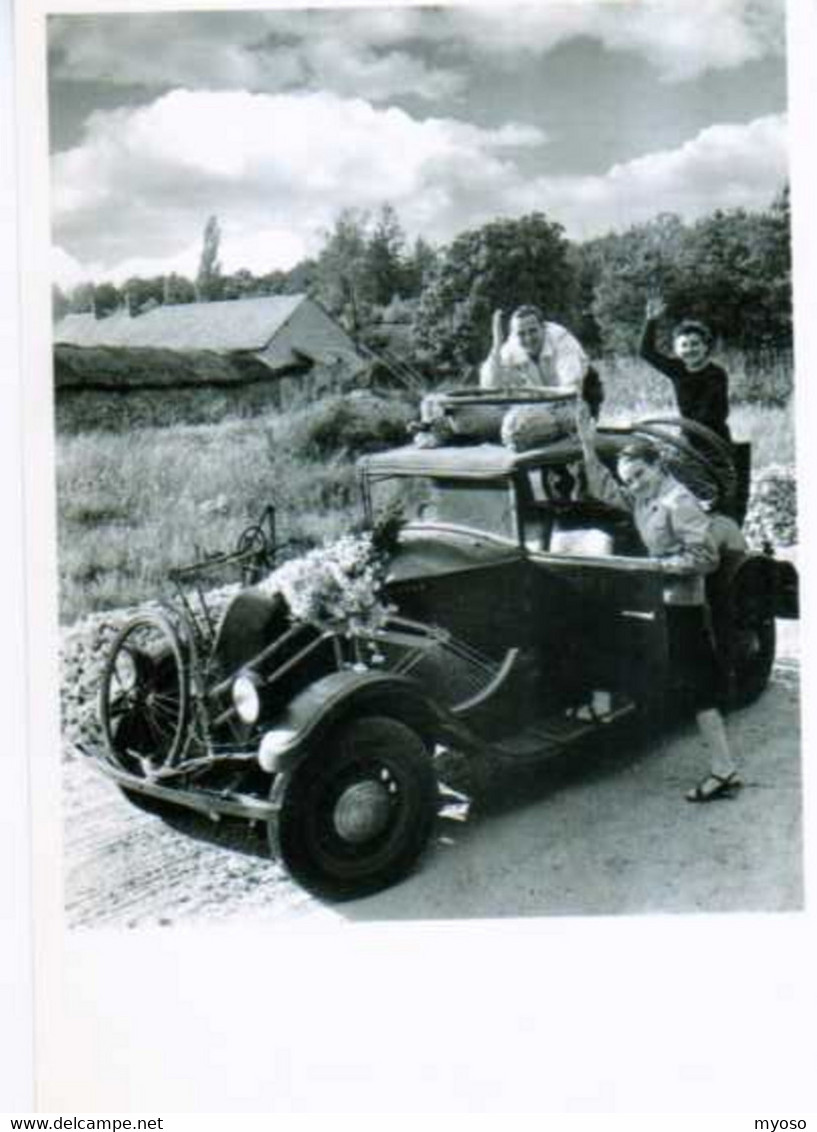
(731, 268)
(364, 264)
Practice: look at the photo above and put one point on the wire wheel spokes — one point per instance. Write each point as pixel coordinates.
(254, 548)
(145, 696)
(701, 459)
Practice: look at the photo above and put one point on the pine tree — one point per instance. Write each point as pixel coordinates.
(383, 258)
(208, 277)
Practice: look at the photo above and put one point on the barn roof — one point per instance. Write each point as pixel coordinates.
(119, 367)
(241, 324)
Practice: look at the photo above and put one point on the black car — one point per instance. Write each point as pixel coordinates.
(516, 616)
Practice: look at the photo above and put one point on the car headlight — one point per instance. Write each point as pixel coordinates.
(247, 697)
(273, 745)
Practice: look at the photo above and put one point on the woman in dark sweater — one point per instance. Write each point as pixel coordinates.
(701, 386)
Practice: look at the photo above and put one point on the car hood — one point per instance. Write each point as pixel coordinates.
(432, 550)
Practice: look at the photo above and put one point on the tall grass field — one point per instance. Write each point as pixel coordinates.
(132, 505)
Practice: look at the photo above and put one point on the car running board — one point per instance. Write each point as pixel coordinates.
(557, 733)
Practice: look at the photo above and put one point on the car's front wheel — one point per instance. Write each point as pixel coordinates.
(357, 813)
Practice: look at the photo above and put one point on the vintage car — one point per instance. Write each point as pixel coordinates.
(522, 617)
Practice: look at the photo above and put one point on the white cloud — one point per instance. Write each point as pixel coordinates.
(66, 271)
(349, 53)
(724, 166)
(277, 169)
(306, 142)
(254, 250)
(681, 38)
(150, 176)
(380, 54)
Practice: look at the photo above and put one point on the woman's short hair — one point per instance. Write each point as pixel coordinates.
(693, 326)
(640, 450)
(528, 310)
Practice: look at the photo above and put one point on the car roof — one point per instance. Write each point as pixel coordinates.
(483, 461)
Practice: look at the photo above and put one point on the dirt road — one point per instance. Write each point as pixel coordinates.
(603, 831)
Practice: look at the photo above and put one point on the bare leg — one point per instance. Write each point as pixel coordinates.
(713, 732)
(722, 777)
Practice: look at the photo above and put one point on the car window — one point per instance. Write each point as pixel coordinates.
(483, 505)
(557, 482)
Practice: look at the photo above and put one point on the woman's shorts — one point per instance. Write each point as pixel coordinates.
(692, 655)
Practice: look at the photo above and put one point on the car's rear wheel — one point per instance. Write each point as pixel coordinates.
(358, 812)
(745, 631)
(144, 701)
(750, 659)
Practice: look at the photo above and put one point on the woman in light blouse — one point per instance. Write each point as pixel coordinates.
(677, 534)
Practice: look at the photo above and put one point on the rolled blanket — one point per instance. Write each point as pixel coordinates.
(531, 426)
(521, 419)
(466, 419)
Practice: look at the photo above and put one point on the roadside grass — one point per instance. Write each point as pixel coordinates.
(633, 390)
(133, 505)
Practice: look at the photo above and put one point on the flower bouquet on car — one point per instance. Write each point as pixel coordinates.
(340, 585)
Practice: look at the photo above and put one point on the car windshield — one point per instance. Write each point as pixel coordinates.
(483, 505)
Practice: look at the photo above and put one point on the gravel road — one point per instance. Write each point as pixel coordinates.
(604, 830)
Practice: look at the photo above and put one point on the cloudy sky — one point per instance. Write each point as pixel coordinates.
(599, 113)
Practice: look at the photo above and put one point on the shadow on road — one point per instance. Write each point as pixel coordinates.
(491, 786)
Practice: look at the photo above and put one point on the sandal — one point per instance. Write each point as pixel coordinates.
(714, 786)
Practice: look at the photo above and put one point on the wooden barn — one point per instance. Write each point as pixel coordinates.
(244, 354)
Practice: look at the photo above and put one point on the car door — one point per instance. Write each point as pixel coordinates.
(610, 627)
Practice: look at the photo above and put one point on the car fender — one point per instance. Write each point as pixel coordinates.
(771, 583)
(787, 590)
(324, 704)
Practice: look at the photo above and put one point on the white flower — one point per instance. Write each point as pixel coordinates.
(338, 584)
(772, 514)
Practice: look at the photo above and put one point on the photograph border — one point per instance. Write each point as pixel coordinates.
(627, 1014)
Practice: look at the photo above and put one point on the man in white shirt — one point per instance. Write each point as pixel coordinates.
(537, 354)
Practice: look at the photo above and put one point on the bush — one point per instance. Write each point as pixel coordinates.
(345, 426)
(760, 377)
(772, 514)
